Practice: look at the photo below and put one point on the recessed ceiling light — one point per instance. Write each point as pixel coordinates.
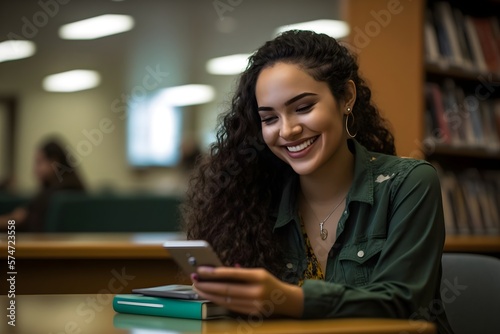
(187, 95)
(227, 65)
(333, 28)
(97, 27)
(71, 81)
(11, 50)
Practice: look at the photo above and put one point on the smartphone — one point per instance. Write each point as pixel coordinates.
(178, 291)
(190, 254)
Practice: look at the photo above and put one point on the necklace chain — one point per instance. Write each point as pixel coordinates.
(323, 232)
(335, 208)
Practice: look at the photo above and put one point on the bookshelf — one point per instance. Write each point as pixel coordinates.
(434, 70)
(462, 116)
(476, 244)
(467, 152)
(397, 58)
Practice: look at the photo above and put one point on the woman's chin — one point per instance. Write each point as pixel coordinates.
(303, 169)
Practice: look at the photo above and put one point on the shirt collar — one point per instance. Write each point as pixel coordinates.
(361, 189)
(362, 184)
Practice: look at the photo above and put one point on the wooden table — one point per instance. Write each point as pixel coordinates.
(93, 314)
(89, 262)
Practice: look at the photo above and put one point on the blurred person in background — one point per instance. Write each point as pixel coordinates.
(53, 173)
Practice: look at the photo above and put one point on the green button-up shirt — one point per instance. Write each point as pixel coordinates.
(386, 260)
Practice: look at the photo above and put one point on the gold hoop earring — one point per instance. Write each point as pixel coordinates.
(349, 112)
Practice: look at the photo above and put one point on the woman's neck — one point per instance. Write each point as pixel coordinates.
(330, 182)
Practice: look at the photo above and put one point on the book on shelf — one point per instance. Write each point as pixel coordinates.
(430, 38)
(443, 40)
(464, 40)
(492, 184)
(453, 101)
(448, 33)
(491, 131)
(459, 120)
(470, 201)
(467, 42)
(477, 52)
(450, 220)
(488, 42)
(438, 118)
(496, 115)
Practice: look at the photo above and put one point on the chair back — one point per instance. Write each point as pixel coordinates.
(78, 212)
(470, 290)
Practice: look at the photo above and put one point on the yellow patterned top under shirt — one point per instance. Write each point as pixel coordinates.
(313, 269)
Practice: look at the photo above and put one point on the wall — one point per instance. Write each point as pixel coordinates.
(387, 34)
(3, 142)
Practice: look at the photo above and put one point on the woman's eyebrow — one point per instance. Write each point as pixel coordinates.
(287, 103)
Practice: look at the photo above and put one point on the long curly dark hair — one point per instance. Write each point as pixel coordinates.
(236, 184)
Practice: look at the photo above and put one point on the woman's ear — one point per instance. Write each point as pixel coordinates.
(350, 96)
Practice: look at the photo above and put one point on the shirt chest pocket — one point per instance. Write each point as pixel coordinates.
(358, 261)
(292, 269)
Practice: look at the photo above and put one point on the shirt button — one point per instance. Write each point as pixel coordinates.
(289, 265)
(345, 212)
(361, 253)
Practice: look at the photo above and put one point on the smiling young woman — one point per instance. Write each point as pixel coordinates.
(304, 200)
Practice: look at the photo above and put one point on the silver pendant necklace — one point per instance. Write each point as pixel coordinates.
(323, 232)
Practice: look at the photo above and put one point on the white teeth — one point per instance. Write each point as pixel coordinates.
(302, 146)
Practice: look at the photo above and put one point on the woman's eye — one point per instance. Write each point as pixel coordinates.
(305, 108)
(268, 120)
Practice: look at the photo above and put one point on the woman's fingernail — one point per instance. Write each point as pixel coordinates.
(206, 269)
(194, 277)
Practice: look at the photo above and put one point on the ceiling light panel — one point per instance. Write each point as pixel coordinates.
(186, 95)
(228, 65)
(333, 28)
(12, 50)
(71, 81)
(97, 27)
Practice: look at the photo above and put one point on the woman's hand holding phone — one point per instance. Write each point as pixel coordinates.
(241, 290)
(248, 291)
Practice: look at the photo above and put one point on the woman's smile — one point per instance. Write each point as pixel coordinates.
(300, 144)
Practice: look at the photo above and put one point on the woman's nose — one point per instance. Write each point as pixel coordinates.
(290, 129)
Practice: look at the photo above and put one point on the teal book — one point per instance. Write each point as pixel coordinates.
(156, 324)
(167, 307)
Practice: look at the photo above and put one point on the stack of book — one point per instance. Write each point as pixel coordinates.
(471, 201)
(174, 301)
(456, 119)
(453, 39)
